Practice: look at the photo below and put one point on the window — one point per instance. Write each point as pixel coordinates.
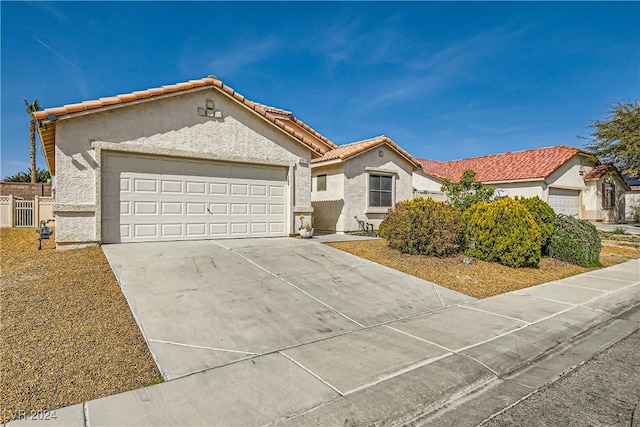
(608, 195)
(380, 191)
(321, 183)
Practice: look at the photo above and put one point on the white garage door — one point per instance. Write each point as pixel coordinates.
(148, 198)
(565, 201)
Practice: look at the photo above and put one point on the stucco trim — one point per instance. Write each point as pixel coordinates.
(327, 163)
(303, 209)
(123, 147)
(514, 181)
(63, 207)
(378, 170)
(566, 187)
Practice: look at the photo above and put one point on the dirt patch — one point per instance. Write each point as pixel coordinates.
(479, 279)
(67, 334)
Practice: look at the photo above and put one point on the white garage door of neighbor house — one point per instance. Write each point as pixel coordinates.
(147, 198)
(565, 201)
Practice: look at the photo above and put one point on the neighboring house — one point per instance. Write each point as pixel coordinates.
(363, 179)
(632, 198)
(568, 178)
(195, 160)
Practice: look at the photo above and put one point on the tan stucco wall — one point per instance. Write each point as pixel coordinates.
(427, 186)
(592, 197)
(356, 185)
(522, 189)
(167, 126)
(328, 205)
(632, 202)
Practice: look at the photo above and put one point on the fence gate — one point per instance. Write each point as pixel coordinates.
(24, 213)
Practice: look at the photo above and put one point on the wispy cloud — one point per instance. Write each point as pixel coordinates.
(74, 66)
(244, 54)
(352, 40)
(51, 9)
(437, 69)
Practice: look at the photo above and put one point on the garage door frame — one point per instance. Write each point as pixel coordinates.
(101, 153)
(565, 197)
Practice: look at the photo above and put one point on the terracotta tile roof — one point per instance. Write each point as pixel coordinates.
(302, 126)
(280, 118)
(346, 151)
(599, 171)
(602, 169)
(509, 166)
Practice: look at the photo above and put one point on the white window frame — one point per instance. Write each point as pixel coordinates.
(380, 172)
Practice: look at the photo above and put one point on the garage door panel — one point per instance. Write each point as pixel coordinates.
(239, 228)
(218, 188)
(125, 230)
(258, 227)
(276, 227)
(171, 208)
(565, 201)
(197, 188)
(166, 199)
(276, 209)
(172, 230)
(142, 185)
(239, 208)
(145, 230)
(145, 208)
(258, 190)
(218, 230)
(171, 187)
(218, 208)
(258, 209)
(276, 191)
(196, 208)
(239, 189)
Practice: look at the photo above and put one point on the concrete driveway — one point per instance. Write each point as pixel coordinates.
(291, 332)
(206, 304)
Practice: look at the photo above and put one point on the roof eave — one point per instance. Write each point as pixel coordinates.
(327, 162)
(413, 163)
(511, 181)
(47, 135)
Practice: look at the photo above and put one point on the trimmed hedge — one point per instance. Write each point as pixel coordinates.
(503, 231)
(423, 227)
(576, 241)
(542, 214)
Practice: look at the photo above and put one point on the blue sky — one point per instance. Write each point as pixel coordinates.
(445, 80)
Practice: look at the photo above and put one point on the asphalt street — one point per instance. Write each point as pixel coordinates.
(604, 391)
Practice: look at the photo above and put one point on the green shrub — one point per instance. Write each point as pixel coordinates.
(466, 192)
(423, 226)
(576, 241)
(503, 231)
(542, 214)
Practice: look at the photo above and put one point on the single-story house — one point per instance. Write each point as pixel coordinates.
(363, 179)
(194, 160)
(569, 179)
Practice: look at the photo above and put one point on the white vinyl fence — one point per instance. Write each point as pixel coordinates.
(16, 212)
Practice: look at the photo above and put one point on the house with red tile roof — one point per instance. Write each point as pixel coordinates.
(194, 160)
(569, 179)
(362, 179)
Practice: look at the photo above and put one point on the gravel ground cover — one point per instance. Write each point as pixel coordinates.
(479, 279)
(66, 332)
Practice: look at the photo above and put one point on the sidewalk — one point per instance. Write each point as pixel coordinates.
(627, 228)
(461, 365)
